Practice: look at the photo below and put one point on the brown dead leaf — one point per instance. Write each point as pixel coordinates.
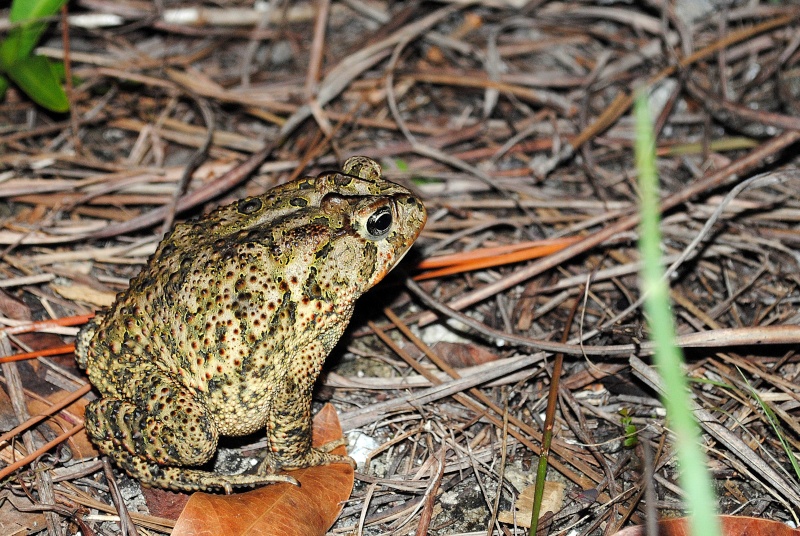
(79, 443)
(18, 516)
(552, 501)
(165, 503)
(731, 526)
(11, 307)
(85, 293)
(284, 509)
(460, 355)
(80, 446)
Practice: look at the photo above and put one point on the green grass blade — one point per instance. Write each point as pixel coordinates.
(776, 427)
(694, 476)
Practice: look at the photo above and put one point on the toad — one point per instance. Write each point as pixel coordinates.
(225, 330)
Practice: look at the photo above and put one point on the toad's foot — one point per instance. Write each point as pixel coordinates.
(186, 479)
(313, 458)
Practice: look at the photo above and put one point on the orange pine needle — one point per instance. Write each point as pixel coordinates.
(58, 350)
(490, 257)
(40, 326)
(55, 408)
(46, 324)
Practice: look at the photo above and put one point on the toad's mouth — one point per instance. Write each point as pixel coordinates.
(397, 260)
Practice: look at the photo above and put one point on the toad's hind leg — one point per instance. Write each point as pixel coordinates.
(182, 478)
(155, 438)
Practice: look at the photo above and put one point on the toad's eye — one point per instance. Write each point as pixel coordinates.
(379, 222)
(248, 206)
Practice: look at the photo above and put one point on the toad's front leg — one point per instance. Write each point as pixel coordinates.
(289, 433)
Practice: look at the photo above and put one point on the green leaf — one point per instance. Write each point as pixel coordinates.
(21, 39)
(631, 436)
(22, 10)
(58, 70)
(3, 86)
(38, 80)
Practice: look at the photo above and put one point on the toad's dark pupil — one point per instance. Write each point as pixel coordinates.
(248, 206)
(379, 222)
